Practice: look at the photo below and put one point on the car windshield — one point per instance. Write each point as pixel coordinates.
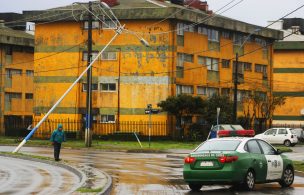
(219, 145)
(237, 127)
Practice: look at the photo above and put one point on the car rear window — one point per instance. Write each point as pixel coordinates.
(219, 145)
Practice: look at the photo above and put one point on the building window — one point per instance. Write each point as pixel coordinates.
(180, 29)
(261, 68)
(9, 50)
(247, 66)
(211, 63)
(9, 96)
(108, 86)
(108, 55)
(211, 91)
(241, 94)
(85, 55)
(109, 24)
(29, 73)
(183, 57)
(201, 90)
(225, 92)
(188, 58)
(240, 67)
(184, 89)
(85, 87)
(261, 94)
(29, 96)
(213, 35)
(238, 39)
(107, 119)
(13, 72)
(95, 25)
(202, 30)
(226, 34)
(225, 63)
(189, 28)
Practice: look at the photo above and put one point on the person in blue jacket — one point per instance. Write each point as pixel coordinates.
(58, 136)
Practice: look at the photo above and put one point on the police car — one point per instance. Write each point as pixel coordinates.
(236, 161)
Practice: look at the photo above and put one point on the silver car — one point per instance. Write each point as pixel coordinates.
(300, 133)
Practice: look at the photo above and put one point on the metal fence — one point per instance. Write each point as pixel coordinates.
(289, 125)
(75, 128)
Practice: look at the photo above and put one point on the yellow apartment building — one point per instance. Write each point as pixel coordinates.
(288, 72)
(192, 51)
(16, 83)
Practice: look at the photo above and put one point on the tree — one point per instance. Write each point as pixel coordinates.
(261, 108)
(182, 106)
(222, 102)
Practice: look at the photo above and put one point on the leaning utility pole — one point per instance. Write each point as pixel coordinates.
(88, 133)
(235, 88)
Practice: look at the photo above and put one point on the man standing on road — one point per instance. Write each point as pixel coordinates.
(58, 136)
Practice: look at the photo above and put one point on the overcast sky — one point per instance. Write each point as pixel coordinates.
(251, 11)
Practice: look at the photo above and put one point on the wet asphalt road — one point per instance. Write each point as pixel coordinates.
(19, 176)
(141, 173)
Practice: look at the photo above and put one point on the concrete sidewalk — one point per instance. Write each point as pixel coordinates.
(92, 180)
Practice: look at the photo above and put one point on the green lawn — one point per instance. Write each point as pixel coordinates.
(111, 145)
(117, 145)
(299, 165)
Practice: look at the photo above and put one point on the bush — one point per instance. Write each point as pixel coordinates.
(198, 132)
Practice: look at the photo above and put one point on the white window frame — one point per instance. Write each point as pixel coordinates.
(213, 35)
(212, 64)
(85, 55)
(84, 86)
(108, 87)
(180, 29)
(211, 91)
(29, 73)
(184, 89)
(104, 118)
(109, 55)
(95, 25)
(200, 90)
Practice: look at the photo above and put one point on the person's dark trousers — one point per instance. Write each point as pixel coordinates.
(57, 147)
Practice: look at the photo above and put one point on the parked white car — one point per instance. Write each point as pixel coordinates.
(279, 136)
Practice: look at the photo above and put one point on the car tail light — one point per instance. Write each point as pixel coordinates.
(189, 160)
(227, 159)
(243, 133)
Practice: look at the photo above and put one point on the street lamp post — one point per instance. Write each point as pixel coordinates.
(88, 134)
(236, 76)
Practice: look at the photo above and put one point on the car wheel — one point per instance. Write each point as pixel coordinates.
(287, 177)
(195, 187)
(249, 180)
(287, 143)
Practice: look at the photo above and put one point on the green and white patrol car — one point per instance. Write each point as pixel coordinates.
(236, 161)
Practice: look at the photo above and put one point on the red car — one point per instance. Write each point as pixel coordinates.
(228, 130)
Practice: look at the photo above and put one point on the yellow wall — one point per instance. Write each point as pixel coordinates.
(147, 74)
(288, 81)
